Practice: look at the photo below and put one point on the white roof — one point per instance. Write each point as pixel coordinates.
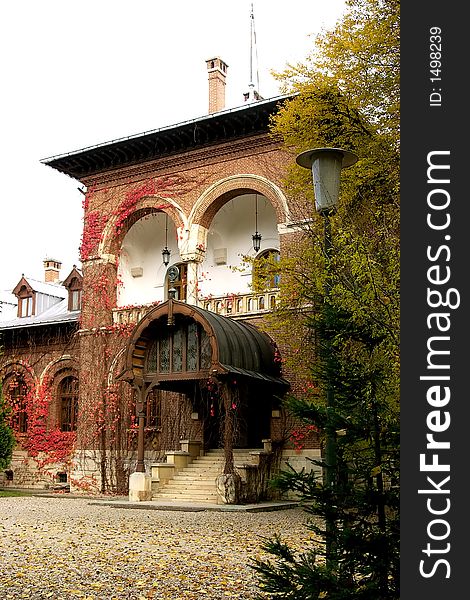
(58, 313)
(49, 289)
(8, 306)
(7, 297)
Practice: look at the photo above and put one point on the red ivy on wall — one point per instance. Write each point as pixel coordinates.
(47, 444)
(92, 234)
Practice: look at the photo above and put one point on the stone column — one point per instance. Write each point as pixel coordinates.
(193, 251)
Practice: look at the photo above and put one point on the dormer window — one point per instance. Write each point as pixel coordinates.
(75, 299)
(25, 302)
(74, 285)
(26, 306)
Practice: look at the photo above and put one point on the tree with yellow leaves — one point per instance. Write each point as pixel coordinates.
(346, 95)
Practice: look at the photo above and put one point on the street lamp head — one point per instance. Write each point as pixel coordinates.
(326, 165)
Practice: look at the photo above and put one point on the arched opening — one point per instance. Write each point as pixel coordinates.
(227, 267)
(141, 271)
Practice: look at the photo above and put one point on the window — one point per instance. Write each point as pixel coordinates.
(26, 299)
(68, 402)
(25, 303)
(265, 273)
(17, 392)
(183, 348)
(154, 409)
(76, 299)
(26, 307)
(180, 284)
(75, 293)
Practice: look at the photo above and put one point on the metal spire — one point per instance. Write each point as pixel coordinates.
(252, 95)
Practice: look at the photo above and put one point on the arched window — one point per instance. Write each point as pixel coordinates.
(182, 348)
(265, 272)
(68, 402)
(16, 392)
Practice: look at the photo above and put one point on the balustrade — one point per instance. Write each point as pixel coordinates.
(231, 306)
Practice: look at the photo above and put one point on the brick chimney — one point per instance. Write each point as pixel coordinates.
(51, 270)
(217, 71)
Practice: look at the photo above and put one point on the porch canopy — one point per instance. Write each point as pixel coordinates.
(176, 341)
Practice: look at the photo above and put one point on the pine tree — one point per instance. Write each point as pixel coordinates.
(359, 556)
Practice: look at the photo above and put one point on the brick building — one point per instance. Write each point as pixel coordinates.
(152, 353)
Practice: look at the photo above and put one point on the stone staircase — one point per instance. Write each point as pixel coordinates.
(197, 482)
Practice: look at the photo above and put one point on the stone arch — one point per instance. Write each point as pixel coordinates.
(224, 190)
(56, 366)
(18, 367)
(115, 230)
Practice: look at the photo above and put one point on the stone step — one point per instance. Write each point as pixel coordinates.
(193, 480)
(220, 460)
(185, 489)
(205, 464)
(212, 498)
(199, 468)
(197, 482)
(197, 477)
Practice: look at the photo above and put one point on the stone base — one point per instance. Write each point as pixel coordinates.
(228, 488)
(140, 487)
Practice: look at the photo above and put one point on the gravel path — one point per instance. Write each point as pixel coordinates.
(64, 548)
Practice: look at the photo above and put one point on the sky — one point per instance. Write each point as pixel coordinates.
(76, 73)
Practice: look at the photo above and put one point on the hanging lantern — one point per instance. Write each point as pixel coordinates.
(256, 237)
(256, 241)
(166, 256)
(166, 252)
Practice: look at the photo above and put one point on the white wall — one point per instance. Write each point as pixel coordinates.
(232, 228)
(142, 248)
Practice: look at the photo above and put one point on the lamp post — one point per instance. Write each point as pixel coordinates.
(326, 165)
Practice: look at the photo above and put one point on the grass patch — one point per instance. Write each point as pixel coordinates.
(12, 493)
